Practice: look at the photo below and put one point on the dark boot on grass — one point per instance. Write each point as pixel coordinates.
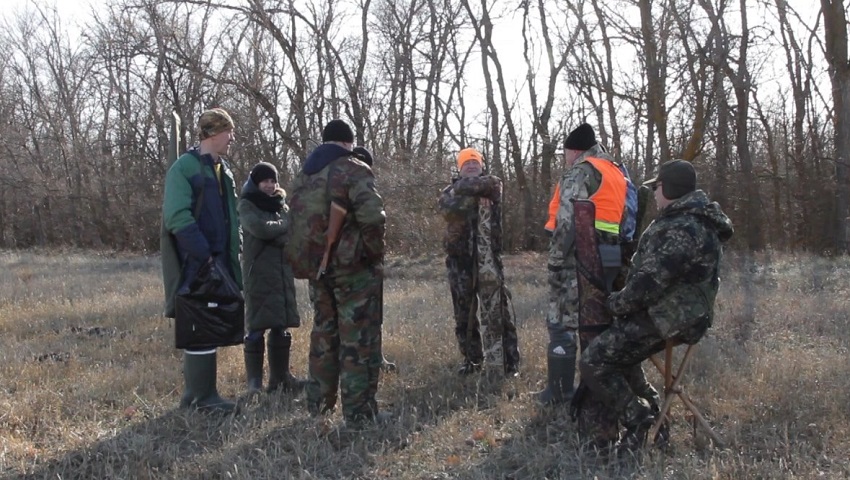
(280, 344)
(199, 374)
(561, 371)
(254, 358)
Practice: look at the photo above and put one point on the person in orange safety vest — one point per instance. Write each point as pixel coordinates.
(591, 174)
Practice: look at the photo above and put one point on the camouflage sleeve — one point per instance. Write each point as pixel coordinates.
(665, 258)
(452, 205)
(487, 186)
(353, 186)
(446, 202)
(572, 185)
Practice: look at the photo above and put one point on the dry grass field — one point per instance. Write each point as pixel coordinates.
(89, 382)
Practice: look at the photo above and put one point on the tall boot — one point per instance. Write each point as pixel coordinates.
(279, 344)
(561, 366)
(254, 353)
(199, 373)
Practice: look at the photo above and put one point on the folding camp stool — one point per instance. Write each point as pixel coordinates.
(672, 388)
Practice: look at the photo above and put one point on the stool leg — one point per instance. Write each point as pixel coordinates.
(671, 382)
(700, 419)
(672, 388)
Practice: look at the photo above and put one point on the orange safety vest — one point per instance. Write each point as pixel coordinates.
(609, 199)
(554, 203)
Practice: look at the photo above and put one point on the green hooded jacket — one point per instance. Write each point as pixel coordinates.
(186, 241)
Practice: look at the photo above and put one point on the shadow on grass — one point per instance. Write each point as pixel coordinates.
(319, 448)
(148, 449)
(548, 446)
(273, 436)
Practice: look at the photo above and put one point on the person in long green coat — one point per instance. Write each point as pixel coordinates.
(270, 303)
(199, 226)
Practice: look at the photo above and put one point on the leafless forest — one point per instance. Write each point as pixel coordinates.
(754, 92)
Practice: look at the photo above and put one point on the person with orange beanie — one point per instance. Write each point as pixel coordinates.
(472, 208)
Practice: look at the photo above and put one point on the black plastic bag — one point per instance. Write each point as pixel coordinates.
(212, 313)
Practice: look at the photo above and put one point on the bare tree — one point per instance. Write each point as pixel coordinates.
(835, 36)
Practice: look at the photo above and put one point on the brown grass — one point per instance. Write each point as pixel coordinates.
(89, 382)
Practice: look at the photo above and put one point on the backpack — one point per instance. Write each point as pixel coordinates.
(309, 203)
(628, 224)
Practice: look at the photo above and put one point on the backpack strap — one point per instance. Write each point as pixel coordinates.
(199, 202)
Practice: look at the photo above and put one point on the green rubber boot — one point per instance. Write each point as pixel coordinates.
(199, 374)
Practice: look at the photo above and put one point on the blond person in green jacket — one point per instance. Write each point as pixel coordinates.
(199, 225)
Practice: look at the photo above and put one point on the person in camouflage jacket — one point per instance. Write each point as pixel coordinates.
(580, 181)
(459, 203)
(345, 343)
(669, 294)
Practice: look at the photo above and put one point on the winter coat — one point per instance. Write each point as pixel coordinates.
(186, 243)
(459, 205)
(269, 285)
(674, 273)
(331, 174)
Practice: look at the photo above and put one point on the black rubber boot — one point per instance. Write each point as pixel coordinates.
(279, 344)
(560, 376)
(254, 353)
(199, 373)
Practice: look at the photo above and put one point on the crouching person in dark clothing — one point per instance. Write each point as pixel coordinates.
(669, 294)
(270, 302)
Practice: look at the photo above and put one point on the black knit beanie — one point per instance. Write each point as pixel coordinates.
(363, 154)
(337, 131)
(263, 171)
(582, 138)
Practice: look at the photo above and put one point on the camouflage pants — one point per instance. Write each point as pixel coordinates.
(500, 332)
(345, 344)
(611, 367)
(563, 312)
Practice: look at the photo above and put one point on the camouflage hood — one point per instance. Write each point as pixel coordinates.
(674, 276)
(697, 204)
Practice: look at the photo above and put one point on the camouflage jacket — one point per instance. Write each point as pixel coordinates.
(349, 182)
(674, 273)
(579, 182)
(459, 205)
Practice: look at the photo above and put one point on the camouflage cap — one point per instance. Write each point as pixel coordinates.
(212, 122)
(677, 177)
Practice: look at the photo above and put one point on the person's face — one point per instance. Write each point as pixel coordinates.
(471, 168)
(221, 141)
(660, 199)
(570, 156)
(268, 186)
